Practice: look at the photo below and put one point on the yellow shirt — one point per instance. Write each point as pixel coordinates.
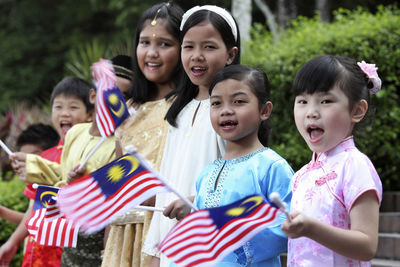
(78, 144)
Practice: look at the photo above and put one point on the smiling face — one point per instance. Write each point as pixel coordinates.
(67, 110)
(204, 53)
(235, 113)
(157, 52)
(324, 119)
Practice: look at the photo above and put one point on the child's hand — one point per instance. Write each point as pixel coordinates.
(75, 173)
(297, 227)
(7, 252)
(177, 209)
(18, 160)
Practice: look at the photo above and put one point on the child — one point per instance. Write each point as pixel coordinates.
(70, 105)
(210, 41)
(336, 197)
(239, 107)
(79, 142)
(33, 140)
(157, 71)
(122, 65)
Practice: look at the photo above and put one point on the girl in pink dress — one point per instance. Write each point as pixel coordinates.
(336, 197)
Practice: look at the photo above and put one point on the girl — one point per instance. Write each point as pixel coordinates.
(336, 196)
(240, 107)
(157, 71)
(191, 142)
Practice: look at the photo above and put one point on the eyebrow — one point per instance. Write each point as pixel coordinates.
(233, 95)
(160, 38)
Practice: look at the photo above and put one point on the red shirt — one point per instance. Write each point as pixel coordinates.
(37, 255)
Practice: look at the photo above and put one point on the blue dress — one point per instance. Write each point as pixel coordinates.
(260, 172)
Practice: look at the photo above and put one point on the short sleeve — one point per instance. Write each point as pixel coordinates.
(360, 176)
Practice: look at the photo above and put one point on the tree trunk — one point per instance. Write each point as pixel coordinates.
(269, 17)
(241, 11)
(323, 8)
(287, 11)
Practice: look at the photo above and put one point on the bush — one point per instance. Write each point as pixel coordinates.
(357, 34)
(12, 197)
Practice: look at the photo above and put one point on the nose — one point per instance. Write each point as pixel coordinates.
(312, 112)
(153, 51)
(227, 110)
(197, 55)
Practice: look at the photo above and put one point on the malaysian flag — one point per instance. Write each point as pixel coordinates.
(96, 198)
(111, 109)
(205, 237)
(47, 224)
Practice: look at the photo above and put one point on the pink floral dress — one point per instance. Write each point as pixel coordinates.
(326, 189)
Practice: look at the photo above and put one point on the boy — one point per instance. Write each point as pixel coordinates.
(70, 105)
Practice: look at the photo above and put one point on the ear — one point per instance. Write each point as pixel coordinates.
(92, 96)
(231, 55)
(359, 111)
(266, 111)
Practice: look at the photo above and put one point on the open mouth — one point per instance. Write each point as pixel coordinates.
(315, 133)
(198, 70)
(151, 65)
(65, 127)
(228, 124)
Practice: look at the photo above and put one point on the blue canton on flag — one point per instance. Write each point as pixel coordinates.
(204, 237)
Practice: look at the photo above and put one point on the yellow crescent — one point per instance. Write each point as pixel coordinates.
(257, 201)
(45, 194)
(120, 111)
(240, 210)
(134, 162)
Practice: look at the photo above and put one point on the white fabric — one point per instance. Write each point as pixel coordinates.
(216, 9)
(188, 149)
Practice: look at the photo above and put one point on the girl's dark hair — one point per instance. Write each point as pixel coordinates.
(142, 89)
(73, 86)
(258, 82)
(38, 134)
(187, 90)
(322, 73)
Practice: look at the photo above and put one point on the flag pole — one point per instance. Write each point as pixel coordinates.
(149, 208)
(276, 198)
(102, 140)
(6, 149)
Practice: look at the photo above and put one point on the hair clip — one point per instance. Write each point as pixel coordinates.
(154, 21)
(371, 71)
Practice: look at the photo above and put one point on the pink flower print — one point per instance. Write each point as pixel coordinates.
(342, 216)
(322, 180)
(315, 248)
(309, 195)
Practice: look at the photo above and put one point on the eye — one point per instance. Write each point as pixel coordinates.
(326, 101)
(301, 102)
(56, 106)
(239, 101)
(187, 46)
(144, 42)
(210, 47)
(215, 103)
(165, 44)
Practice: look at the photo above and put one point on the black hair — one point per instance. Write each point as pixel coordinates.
(38, 134)
(187, 90)
(322, 73)
(142, 89)
(259, 84)
(73, 86)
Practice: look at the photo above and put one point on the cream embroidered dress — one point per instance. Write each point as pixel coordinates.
(146, 131)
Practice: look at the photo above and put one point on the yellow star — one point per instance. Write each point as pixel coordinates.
(115, 173)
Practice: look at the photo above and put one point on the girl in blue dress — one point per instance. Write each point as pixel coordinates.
(239, 113)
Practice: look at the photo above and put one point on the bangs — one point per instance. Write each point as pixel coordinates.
(317, 75)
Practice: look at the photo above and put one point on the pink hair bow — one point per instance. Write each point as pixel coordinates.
(371, 71)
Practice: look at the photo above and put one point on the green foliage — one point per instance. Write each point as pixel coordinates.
(12, 197)
(357, 34)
